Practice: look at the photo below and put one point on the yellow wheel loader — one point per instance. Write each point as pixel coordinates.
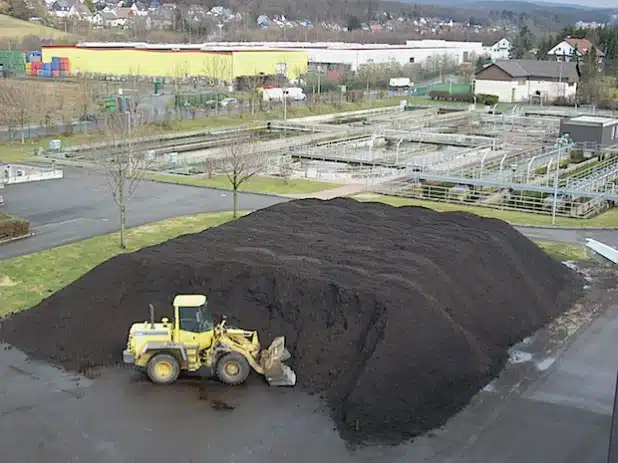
(192, 343)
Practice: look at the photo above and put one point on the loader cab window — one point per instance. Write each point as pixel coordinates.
(195, 319)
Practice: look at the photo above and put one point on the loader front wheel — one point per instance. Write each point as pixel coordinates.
(163, 369)
(233, 369)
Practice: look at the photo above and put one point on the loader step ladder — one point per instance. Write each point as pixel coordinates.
(193, 362)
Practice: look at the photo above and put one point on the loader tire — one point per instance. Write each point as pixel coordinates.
(163, 369)
(233, 369)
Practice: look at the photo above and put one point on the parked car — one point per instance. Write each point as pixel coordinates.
(229, 102)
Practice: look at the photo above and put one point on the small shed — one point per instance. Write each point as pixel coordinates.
(591, 130)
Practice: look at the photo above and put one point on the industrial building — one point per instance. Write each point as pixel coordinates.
(594, 131)
(352, 56)
(531, 81)
(164, 60)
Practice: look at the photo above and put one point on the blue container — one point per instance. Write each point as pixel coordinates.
(47, 66)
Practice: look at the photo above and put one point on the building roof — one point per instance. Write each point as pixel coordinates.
(530, 68)
(582, 45)
(596, 120)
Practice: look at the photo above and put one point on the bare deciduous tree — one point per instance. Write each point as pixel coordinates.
(285, 169)
(20, 104)
(87, 100)
(217, 69)
(242, 160)
(125, 164)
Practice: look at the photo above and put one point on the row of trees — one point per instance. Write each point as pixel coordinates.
(127, 165)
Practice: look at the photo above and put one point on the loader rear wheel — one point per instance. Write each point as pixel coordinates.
(163, 369)
(233, 369)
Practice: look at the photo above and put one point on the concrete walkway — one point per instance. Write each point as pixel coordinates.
(345, 190)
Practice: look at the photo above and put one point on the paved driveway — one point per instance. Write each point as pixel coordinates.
(80, 206)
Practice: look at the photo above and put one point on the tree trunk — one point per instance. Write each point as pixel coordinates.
(235, 207)
(123, 215)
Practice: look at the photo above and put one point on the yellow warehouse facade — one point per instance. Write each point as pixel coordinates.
(180, 61)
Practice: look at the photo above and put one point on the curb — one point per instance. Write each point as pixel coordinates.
(557, 228)
(17, 238)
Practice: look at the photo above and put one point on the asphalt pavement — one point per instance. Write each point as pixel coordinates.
(81, 206)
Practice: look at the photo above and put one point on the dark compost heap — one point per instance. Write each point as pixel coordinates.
(397, 316)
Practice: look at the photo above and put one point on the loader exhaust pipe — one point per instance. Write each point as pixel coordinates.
(152, 316)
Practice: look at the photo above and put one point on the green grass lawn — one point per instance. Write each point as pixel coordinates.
(27, 280)
(14, 28)
(265, 185)
(15, 151)
(607, 219)
(564, 251)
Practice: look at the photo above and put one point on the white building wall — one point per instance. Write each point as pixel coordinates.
(356, 58)
(524, 89)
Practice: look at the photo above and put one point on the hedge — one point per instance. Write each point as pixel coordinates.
(443, 95)
(12, 226)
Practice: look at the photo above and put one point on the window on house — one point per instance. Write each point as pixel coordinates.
(411, 59)
(613, 132)
(281, 69)
(571, 84)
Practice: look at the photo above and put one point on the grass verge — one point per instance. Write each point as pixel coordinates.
(607, 219)
(564, 251)
(12, 226)
(264, 185)
(13, 28)
(15, 151)
(27, 280)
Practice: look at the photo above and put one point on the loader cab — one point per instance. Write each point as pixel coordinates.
(192, 320)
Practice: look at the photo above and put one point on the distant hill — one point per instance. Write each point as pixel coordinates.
(14, 29)
(565, 13)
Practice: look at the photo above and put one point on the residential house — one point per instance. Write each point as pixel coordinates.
(61, 8)
(139, 9)
(107, 19)
(498, 50)
(573, 49)
(80, 11)
(125, 14)
(520, 80)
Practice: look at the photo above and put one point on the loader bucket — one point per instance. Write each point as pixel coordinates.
(275, 371)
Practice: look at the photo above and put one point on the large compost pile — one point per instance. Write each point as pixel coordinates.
(396, 316)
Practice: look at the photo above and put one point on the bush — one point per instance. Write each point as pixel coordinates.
(12, 226)
(469, 97)
(443, 95)
(485, 99)
(577, 156)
